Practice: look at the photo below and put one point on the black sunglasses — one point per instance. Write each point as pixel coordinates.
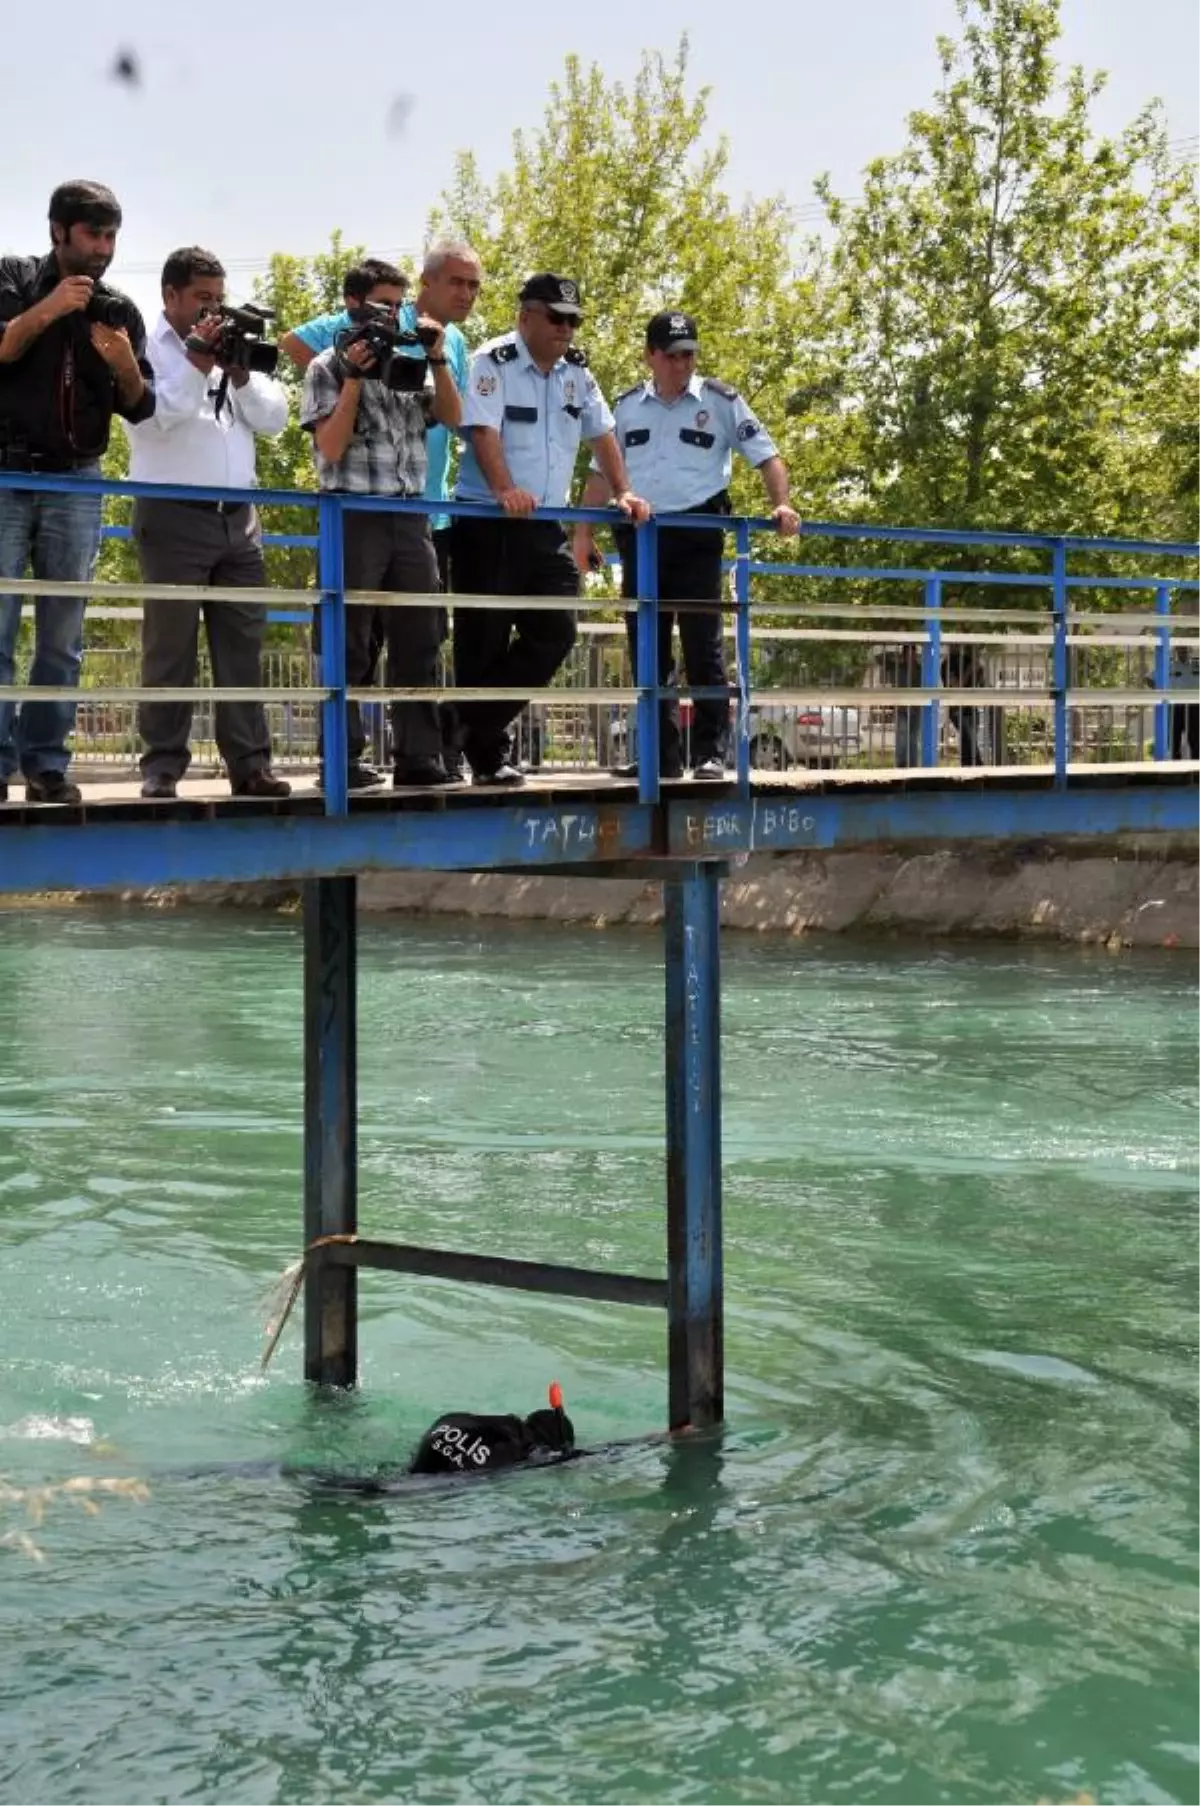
(560, 319)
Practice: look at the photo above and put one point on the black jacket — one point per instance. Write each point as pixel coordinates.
(58, 399)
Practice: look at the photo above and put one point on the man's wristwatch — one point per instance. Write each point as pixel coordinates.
(437, 361)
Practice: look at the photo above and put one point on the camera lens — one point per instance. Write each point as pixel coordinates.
(108, 310)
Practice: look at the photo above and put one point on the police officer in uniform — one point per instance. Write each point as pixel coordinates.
(530, 400)
(678, 432)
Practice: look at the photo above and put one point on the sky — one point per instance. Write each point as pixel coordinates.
(259, 130)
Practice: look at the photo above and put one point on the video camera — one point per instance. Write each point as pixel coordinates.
(374, 326)
(240, 344)
(107, 309)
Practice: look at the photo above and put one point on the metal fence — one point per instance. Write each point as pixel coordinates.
(836, 664)
(567, 735)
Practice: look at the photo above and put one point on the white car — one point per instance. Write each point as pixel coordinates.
(779, 737)
(805, 734)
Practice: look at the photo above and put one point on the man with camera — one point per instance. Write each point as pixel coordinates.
(451, 278)
(70, 357)
(530, 400)
(211, 367)
(679, 432)
(367, 401)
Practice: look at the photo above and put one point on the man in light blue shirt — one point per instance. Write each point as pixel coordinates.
(530, 400)
(678, 433)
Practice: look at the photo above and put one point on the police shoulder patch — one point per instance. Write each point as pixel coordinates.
(504, 352)
(719, 388)
(626, 393)
(574, 355)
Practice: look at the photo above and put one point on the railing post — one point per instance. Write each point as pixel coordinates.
(647, 674)
(1162, 675)
(931, 670)
(1058, 687)
(694, 1268)
(332, 606)
(741, 579)
(330, 1124)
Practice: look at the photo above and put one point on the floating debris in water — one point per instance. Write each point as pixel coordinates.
(79, 1490)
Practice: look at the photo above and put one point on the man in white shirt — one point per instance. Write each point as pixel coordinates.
(202, 433)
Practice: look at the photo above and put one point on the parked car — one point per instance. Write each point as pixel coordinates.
(779, 737)
(810, 735)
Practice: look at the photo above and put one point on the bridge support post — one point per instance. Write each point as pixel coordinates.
(695, 1304)
(330, 1125)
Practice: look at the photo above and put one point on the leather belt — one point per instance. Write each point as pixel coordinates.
(208, 507)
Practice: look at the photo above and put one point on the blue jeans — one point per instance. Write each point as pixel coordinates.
(59, 536)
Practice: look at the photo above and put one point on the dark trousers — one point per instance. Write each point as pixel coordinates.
(689, 570)
(393, 552)
(1185, 730)
(447, 713)
(184, 542)
(511, 649)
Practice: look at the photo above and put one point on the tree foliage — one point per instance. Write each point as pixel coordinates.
(618, 190)
(1014, 303)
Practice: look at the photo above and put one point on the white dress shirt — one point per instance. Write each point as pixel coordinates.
(184, 441)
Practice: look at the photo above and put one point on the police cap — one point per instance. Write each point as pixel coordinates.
(672, 332)
(557, 292)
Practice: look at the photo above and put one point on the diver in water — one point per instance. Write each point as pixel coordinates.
(457, 1444)
(464, 1442)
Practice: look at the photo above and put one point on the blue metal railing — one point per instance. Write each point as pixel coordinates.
(1058, 583)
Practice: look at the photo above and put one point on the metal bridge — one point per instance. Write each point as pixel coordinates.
(1107, 628)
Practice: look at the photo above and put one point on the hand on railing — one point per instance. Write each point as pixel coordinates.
(518, 502)
(633, 507)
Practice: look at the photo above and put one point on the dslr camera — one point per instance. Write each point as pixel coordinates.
(107, 309)
(374, 326)
(241, 343)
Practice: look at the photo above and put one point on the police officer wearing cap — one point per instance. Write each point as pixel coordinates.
(530, 400)
(678, 432)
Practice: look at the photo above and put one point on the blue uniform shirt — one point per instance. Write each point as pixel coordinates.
(680, 453)
(319, 335)
(540, 419)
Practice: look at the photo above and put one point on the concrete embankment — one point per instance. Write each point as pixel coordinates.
(1136, 892)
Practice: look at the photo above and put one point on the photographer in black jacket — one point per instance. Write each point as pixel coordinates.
(71, 355)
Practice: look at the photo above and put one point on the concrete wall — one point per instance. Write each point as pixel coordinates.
(1138, 892)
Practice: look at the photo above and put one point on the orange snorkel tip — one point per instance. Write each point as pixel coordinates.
(556, 1398)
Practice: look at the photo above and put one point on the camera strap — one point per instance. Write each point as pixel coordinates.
(66, 403)
(221, 394)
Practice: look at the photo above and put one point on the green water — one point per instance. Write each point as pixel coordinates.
(944, 1549)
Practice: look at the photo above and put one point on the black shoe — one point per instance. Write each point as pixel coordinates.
(456, 768)
(421, 774)
(3, 790)
(52, 787)
(504, 776)
(363, 777)
(159, 786)
(710, 771)
(667, 775)
(258, 783)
